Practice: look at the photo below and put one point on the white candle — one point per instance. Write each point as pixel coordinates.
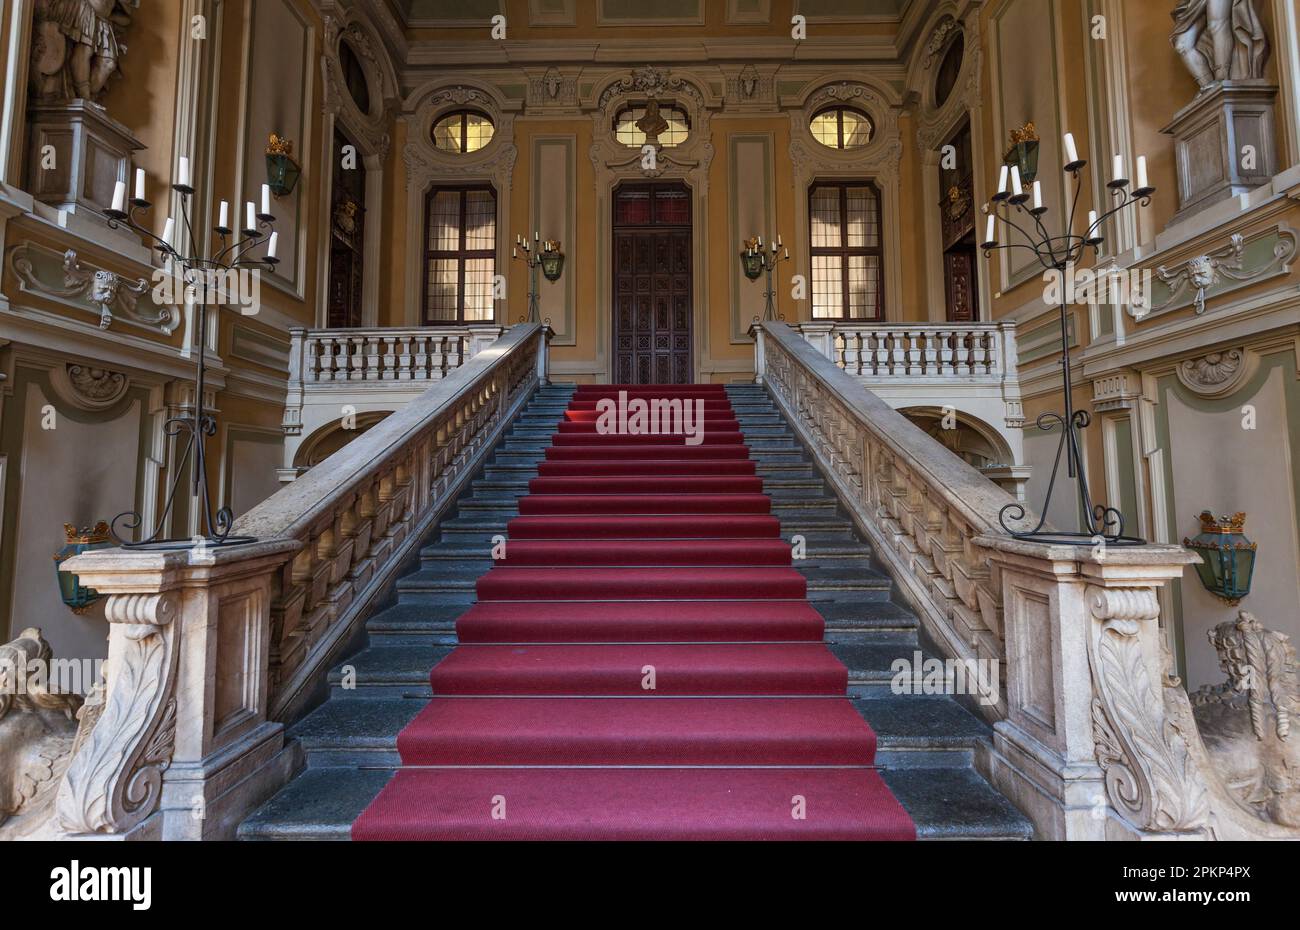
(139, 184)
(1117, 174)
(1071, 153)
(273, 245)
(514, 251)
(183, 172)
(1038, 195)
(1142, 172)
(1002, 179)
(536, 236)
(1016, 189)
(778, 240)
(1092, 224)
(252, 216)
(988, 230)
(223, 216)
(266, 199)
(787, 253)
(119, 196)
(169, 230)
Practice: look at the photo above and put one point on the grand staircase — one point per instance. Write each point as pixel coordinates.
(923, 744)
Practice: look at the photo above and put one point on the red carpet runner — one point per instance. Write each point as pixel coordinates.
(639, 557)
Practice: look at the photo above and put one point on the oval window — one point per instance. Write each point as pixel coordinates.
(949, 69)
(667, 123)
(463, 131)
(842, 128)
(354, 77)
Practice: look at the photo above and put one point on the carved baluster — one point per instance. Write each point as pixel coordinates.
(401, 357)
(312, 363)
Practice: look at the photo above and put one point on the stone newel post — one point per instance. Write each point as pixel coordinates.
(180, 746)
(1088, 749)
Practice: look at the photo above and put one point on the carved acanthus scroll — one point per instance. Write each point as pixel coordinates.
(1150, 776)
(115, 779)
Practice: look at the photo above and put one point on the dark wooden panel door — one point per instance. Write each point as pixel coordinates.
(652, 286)
(347, 240)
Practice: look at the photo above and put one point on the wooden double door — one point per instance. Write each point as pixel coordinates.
(652, 284)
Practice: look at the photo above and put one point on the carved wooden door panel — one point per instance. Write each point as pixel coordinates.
(652, 285)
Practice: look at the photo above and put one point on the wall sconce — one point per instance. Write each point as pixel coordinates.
(1227, 556)
(751, 258)
(76, 597)
(552, 260)
(1024, 152)
(282, 172)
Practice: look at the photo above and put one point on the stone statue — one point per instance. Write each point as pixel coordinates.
(37, 733)
(1245, 723)
(1220, 40)
(76, 47)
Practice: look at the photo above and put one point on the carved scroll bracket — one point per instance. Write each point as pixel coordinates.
(1150, 776)
(115, 779)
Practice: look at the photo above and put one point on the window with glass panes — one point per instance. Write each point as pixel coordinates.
(463, 132)
(845, 246)
(842, 128)
(460, 254)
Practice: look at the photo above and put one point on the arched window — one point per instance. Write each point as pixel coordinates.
(463, 131)
(842, 128)
(669, 124)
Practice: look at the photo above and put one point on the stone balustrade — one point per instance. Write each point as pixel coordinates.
(360, 373)
(212, 649)
(970, 368)
(1094, 737)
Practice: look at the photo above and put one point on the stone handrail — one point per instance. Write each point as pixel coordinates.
(923, 506)
(1094, 737)
(212, 649)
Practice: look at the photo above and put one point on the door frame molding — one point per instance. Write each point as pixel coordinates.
(689, 163)
(693, 321)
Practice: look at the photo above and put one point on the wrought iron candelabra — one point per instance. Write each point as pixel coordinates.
(230, 251)
(1059, 253)
(755, 261)
(541, 255)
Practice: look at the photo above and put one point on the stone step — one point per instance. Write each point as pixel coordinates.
(361, 729)
(945, 803)
(454, 551)
(388, 666)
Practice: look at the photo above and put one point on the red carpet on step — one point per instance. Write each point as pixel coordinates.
(642, 664)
